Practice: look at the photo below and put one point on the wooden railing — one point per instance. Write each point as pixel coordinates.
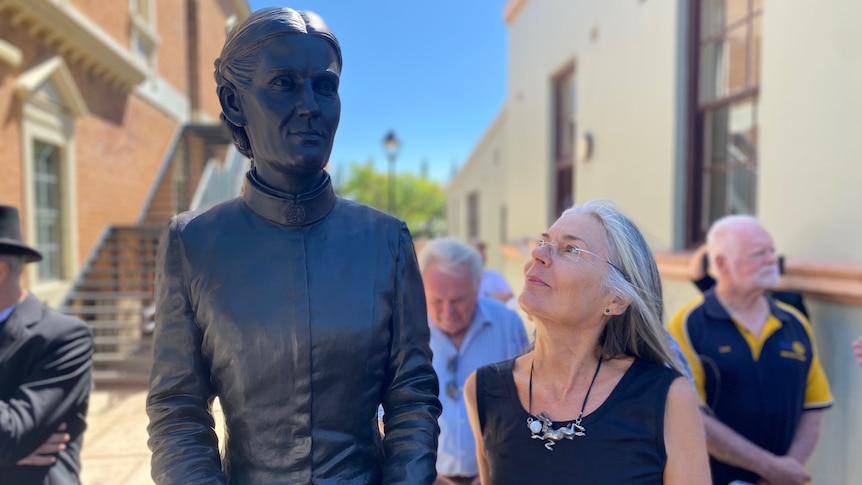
(834, 281)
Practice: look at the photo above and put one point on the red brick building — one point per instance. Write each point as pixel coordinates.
(97, 103)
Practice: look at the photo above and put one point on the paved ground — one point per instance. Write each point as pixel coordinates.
(115, 444)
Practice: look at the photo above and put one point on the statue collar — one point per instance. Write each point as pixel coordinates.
(287, 209)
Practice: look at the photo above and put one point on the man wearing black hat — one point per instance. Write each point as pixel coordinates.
(45, 375)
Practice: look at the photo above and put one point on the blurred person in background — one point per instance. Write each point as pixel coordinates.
(301, 311)
(698, 270)
(857, 349)
(45, 375)
(493, 284)
(598, 399)
(754, 363)
(467, 332)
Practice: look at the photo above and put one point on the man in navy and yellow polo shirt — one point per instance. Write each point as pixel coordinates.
(754, 363)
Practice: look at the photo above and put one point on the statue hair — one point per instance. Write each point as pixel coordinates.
(238, 61)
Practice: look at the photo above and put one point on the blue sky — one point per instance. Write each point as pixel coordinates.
(435, 72)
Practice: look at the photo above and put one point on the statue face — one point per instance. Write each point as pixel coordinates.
(292, 108)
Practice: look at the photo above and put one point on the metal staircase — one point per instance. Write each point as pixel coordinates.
(114, 292)
(113, 295)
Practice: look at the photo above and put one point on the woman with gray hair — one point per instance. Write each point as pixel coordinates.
(594, 401)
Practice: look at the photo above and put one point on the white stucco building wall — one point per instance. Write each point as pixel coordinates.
(630, 75)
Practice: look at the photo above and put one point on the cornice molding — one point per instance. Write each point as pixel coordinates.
(10, 54)
(77, 39)
(54, 68)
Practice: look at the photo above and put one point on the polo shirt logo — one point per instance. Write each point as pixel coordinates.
(793, 350)
(725, 349)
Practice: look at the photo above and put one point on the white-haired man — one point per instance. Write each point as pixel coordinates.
(467, 332)
(754, 363)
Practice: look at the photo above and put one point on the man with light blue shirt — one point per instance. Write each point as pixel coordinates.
(467, 332)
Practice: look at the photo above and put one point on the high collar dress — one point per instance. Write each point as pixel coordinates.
(302, 314)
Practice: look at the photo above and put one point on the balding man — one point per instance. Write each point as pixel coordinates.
(754, 362)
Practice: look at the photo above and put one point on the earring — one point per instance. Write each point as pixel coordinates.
(607, 310)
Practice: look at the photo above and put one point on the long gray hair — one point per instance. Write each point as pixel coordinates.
(638, 331)
(238, 60)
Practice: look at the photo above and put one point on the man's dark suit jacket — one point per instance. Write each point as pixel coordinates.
(45, 380)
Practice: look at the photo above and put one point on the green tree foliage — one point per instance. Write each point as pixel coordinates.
(420, 202)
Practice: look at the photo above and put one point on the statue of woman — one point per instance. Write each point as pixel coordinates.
(300, 310)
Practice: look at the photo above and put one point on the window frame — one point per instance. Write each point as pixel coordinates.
(143, 36)
(563, 118)
(54, 125)
(697, 208)
(53, 212)
(473, 215)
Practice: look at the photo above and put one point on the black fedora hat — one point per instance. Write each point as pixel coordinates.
(10, 236)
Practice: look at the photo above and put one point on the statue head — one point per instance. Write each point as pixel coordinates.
(277, 81)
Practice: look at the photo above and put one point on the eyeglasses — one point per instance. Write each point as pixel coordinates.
(573, 253)
(452, 385)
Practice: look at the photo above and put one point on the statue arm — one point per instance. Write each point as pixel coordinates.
(411, 388)
(182, 435)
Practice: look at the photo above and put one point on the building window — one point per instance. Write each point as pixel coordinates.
(48, 215)
(144, 38)
(473, 215)
(143, 9)
(50, 106)
(564, 140)
(725, 87)
(504, 224)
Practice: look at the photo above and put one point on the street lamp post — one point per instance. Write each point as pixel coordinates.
(390, 145)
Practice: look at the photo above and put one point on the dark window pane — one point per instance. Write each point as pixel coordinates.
(564, 140)
(48, 217)
(715, 136)
(714, 197)
(43, 231)
(41, 193)
(740, 196)
(473, 215)
(504, 225)
(723, 65)
(742, 131)
(730, 133)
(565, 197)
(45, 266)
(726, 154)
(564, 105)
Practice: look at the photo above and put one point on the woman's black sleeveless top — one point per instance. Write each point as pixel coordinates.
(623, 442)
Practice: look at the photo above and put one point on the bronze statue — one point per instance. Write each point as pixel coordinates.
(300, 310)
